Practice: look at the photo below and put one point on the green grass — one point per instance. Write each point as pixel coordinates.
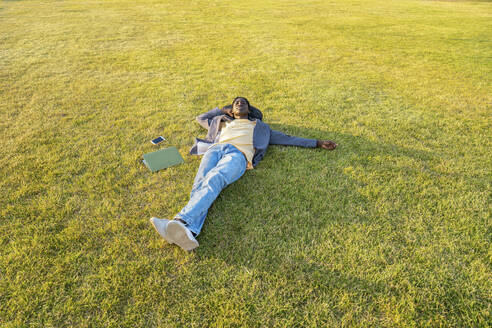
(393, 229)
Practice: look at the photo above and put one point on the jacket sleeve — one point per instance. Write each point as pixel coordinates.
(205, 119)
(279, 138)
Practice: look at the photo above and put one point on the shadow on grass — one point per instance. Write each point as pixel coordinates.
(261, 225)
(295, 232)
(292, 236)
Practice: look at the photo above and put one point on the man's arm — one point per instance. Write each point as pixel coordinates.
(279, 138)
(205, 119)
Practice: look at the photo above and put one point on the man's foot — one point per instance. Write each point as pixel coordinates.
(161, 226)
(181, 235)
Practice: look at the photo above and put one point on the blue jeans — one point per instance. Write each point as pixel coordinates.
(221, 165)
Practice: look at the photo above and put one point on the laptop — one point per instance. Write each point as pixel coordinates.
(162, 159)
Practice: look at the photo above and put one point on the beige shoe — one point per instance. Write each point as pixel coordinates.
(181, 235)
(161, 226)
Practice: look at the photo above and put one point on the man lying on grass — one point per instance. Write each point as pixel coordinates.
(236, 141)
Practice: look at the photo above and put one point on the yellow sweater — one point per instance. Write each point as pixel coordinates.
(239, 133)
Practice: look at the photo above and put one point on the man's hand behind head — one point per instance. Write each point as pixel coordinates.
(227, 110)
(326, 144)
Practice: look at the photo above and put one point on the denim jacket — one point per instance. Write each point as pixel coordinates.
(263, 136)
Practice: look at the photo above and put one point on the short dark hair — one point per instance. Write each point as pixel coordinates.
(254, 113)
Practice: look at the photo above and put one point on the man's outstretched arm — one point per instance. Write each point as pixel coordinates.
(279, 138)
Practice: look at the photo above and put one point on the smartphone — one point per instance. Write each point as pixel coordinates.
(157, 140)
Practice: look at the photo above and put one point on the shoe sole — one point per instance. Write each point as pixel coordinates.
(165, 238)
(180, 237)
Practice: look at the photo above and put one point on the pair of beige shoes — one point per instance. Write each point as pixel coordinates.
(175, 232)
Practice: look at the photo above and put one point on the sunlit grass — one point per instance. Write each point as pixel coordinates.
(391, 229)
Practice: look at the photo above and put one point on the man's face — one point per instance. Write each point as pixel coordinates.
(240, 107)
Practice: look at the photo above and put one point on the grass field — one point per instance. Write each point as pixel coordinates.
(393, 229)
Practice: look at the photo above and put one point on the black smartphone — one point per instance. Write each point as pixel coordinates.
(157, 140)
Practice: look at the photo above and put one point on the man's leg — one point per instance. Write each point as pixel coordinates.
(210, 181)
(208, 162)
